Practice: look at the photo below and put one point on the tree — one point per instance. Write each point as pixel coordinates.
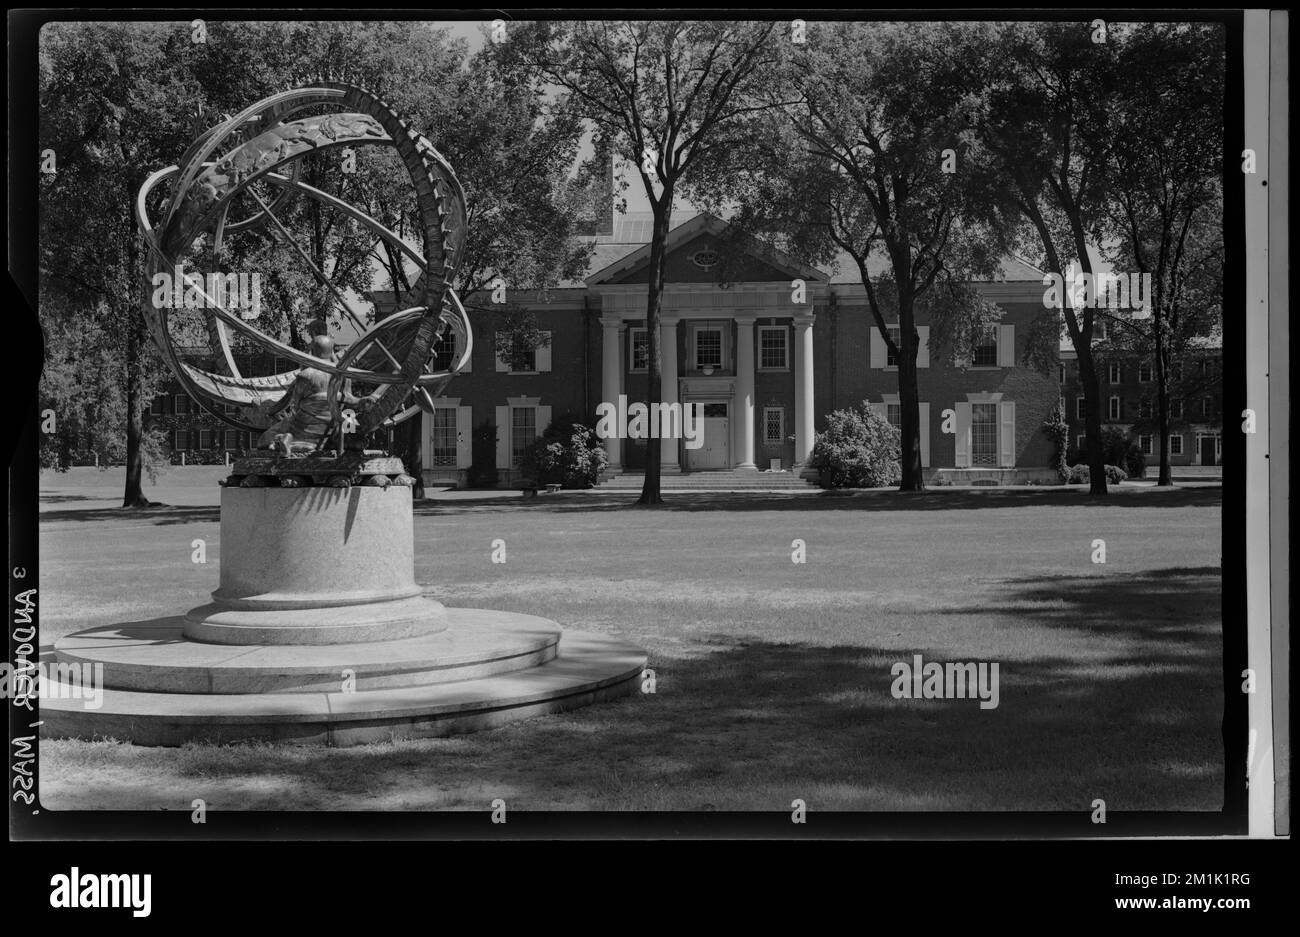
(667, 97)
(1166, 202)
(513, 153)
(121, 101)
(1050, 124)
(875, 157)
(113, 108)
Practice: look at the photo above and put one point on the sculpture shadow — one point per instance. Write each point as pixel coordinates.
(737, 724)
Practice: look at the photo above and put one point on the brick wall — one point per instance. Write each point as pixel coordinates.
(849, 330)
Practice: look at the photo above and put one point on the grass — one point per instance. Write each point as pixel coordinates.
(773, 679)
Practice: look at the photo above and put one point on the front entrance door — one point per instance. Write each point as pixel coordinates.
(716, 451)
(1208, 446)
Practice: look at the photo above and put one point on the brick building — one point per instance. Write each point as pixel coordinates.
(193, 435)
(1128, 392)
(765, 370)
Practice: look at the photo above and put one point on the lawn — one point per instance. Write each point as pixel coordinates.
(773, 678)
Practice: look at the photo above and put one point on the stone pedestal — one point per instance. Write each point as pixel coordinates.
(315, 566)
(318, 633)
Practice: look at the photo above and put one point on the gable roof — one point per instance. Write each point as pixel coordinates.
(703, 223)
(628, 247)
(1011, 269)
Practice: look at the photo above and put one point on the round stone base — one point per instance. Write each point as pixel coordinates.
(153, 657)
(218, 623)
(486, 669)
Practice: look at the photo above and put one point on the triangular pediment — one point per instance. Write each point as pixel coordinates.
(699, 251)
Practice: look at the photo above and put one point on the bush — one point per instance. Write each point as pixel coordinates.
(1119, 449)
(859, 449)
(1058, 431)
(1079, 475)
(569, 453)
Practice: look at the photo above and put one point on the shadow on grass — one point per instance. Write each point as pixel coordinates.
(160, 514)
(743, 725)
(935, 499)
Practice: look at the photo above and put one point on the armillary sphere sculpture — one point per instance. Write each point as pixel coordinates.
(261, 148)
(318, 582)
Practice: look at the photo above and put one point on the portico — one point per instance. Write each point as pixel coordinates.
(711, 356)
(735, 337)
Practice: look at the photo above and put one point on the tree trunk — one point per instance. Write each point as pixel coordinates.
(1092, 420)
(1165, 478)
(909, 399)
(136, 336)
(412, 455)
(133, 496)
(650, 490)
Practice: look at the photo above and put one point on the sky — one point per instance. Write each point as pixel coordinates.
(470, 31)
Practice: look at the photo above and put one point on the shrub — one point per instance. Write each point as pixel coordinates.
(1079, 475)
(859, 449)
(568, 452)
(1058, 431)
(1119, 449)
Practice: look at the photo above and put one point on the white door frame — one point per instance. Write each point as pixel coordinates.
(731, 410)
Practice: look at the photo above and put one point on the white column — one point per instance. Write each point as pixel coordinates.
(803, 389)
(744, 415)
(668, 459)
(610, 382)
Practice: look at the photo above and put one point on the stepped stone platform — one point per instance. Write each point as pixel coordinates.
(319, 634)
(486, 669)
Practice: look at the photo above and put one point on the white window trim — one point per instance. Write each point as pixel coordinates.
(452, 404)
(1114, 408)
(892, 329)
(1150, 372)
(721, 329)
(1114, 374)
(1179, 438)
(781, 439)
(1081, 441)
(632, 331)
(1080, 408)
(785, 343)
(997, 353)
(537, 352)
(1146, 443)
